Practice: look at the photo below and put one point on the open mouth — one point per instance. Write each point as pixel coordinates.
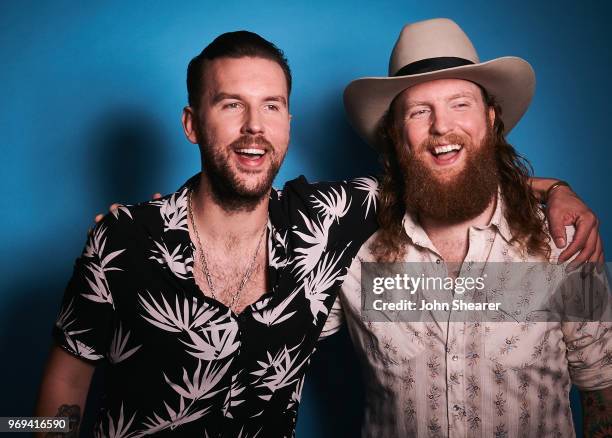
(446, 154)
(251, 157)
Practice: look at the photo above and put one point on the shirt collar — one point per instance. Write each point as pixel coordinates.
(419, 237)
(274, 236)
(499, 218)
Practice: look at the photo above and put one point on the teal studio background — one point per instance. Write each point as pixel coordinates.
(91, 95)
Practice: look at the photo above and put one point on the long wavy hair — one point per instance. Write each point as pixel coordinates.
(522, 210)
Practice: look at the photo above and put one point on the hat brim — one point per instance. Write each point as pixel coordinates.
(510, 80)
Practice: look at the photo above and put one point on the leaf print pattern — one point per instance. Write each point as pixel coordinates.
(276, 240)
(98, 266)
(174, 418)
(216, 341)
(278, 370)
(332, 204)
(202, 384)
(178, 261)
(118, 352)
(231, 399)
(370, 186)
(118, 430)
(174, 212)
(277, 315)
(200, 367)
(64, 322)
(319, 281)
(121, 209)
(316, 236)
(182, 317)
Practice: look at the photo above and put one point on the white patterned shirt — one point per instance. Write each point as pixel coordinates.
(434, 378)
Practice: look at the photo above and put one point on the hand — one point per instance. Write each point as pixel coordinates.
(566, 208)
(113, 208)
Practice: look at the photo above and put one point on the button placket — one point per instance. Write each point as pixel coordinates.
(455, 370)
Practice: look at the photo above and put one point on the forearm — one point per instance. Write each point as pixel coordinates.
(63, 390)
(597, 412)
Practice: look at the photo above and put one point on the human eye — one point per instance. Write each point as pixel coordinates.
(461, 104)
(231, 105)
(418, 113)
(272, 107)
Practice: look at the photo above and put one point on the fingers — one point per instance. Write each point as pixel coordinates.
(98, 217)
(559, 237)
(586, 252)
(585, 224)
(157, 195)
(557, 229)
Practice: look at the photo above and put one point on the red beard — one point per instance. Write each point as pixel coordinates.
(455, 199)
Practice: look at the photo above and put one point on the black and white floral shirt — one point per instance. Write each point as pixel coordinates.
(181, 362)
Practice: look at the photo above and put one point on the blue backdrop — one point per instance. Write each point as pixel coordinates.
(91, 97)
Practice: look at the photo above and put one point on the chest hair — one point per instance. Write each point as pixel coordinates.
(227, 265)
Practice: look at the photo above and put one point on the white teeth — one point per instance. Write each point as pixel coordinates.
(446, 148)
(251, 151)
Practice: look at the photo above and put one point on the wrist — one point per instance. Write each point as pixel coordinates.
(555, 187)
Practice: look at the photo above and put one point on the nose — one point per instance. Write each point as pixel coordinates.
(441, 123)
(253, 123)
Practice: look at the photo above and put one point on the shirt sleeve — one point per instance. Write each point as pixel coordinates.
(589, 340)
(84, 324)
(334, 320)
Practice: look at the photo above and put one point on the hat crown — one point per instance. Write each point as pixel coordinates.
(435, 38)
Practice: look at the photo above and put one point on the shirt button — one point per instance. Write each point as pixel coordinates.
(455, 357)
(438, 261)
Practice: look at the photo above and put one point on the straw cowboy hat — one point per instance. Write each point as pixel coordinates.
(438, 49)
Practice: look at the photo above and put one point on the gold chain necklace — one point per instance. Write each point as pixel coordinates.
(204, 261)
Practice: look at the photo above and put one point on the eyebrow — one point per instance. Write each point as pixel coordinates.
(463, 94)
(222, 96)
(467, 94)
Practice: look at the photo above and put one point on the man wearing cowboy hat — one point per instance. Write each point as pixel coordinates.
(455, 197)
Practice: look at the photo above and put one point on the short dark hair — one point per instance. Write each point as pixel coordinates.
(237, 44)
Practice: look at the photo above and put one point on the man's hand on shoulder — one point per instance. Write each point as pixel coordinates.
(113, 208)
(563, 208)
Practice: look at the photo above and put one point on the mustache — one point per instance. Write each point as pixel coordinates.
(432, 142)
(246, 141)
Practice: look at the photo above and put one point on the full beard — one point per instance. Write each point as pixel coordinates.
(455, 199)
(228, 190)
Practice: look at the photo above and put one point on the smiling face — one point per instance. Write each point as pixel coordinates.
(242, 127)
(444, 146)
(441, 122)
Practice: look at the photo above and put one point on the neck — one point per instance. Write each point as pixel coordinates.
(451, 239)
(219, 223)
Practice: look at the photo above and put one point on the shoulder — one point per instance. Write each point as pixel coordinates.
(364, 190)
(348, 201)
(147, 218)
(301, 185)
